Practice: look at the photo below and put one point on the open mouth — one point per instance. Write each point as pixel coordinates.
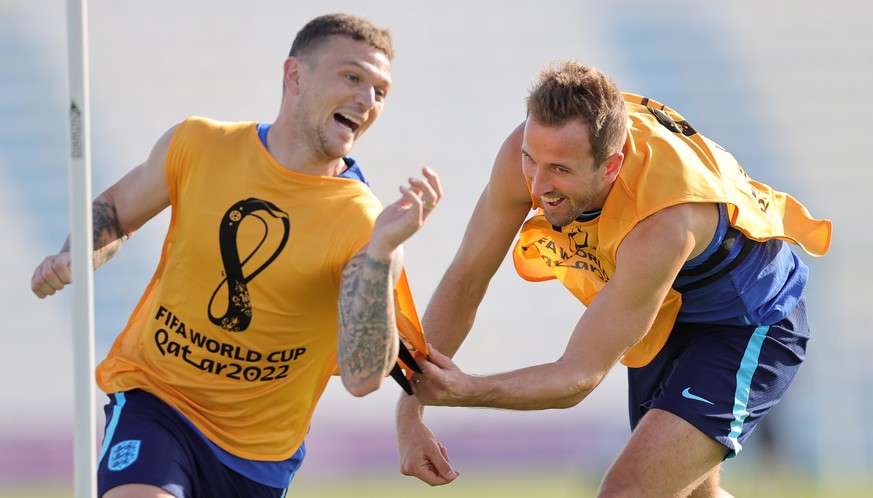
(551, 201)
(347, 121)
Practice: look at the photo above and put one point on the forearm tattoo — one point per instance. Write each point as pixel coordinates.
(366, 320)
(106, 231)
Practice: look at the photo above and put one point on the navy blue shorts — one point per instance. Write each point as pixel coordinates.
(147, 442)
(723, 379)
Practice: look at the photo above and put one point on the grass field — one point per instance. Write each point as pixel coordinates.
(509, 484)
(391, 486)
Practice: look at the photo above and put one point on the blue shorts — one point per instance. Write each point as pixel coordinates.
(723, 379)
(150, 443)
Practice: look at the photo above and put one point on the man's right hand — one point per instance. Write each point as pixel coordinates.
(52, 275)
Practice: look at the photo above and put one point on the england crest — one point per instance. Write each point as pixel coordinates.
(123, 454)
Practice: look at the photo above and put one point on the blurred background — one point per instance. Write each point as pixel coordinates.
(780, 84)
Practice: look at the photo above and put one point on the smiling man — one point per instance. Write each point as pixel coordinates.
(683, 265)
(280, 266)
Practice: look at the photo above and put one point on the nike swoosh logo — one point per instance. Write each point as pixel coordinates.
(687, 394)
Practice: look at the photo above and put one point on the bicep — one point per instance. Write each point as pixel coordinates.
(647, 263)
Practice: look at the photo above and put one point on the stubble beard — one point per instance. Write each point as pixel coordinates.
(573, 207)
(318, 141)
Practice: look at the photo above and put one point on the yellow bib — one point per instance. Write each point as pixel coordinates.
(666, 163)
(238, 328)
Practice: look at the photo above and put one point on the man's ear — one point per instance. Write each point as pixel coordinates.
(291, 80)
(613, 166)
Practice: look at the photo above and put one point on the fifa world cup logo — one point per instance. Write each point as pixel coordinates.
(258, 215)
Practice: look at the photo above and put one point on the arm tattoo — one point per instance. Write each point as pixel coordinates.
(107, 232)
(367, 327)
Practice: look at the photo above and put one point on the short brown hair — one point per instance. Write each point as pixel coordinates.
(323, 27)
(569, 90)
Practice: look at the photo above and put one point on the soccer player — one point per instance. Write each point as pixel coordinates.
(280, 266)
(682, 262)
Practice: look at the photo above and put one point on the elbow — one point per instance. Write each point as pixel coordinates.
(362, 376)
(575, 393)
(360, 368)
(567, 395)
(361, 384)
(359, 389)
(578, 385)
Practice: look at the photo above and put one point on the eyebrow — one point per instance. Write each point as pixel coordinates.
(386, 81)
(551, 165)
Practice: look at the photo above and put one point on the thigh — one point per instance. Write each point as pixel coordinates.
(665, 456)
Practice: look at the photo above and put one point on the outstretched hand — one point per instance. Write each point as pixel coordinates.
(401, 219)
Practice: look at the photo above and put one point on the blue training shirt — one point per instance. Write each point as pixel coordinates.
(762, 290)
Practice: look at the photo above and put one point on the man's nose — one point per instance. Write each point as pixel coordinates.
(539, 184)
(366, 98)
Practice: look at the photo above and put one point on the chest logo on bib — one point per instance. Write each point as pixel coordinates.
(248, 228)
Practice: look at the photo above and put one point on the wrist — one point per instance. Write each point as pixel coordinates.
(408, 406)
(381, 254)
(475, 392)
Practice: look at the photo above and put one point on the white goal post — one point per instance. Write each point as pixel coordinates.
(81, 246)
